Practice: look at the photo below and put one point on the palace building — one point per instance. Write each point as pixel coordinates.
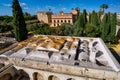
(57, 19)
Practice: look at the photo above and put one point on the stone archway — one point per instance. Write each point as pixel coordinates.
(70, 79)
(7, 76)
(52, 77)
(22, 75)
(37, 76)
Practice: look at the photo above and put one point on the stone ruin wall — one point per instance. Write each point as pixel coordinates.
(97, 74)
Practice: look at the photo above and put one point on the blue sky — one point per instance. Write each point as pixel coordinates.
(33, 6)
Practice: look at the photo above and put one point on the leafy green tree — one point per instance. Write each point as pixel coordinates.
(43, 30)
(6, 19)
(27, 16)
(104, 6)
(18, 22)
(91, 30)
(40, 28)
(5, 27)
(66, 29)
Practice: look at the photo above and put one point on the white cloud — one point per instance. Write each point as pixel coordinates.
(9, 5)
(6, 5)
(63, 9)
(23, 4)
(26, 8)
(39, 8)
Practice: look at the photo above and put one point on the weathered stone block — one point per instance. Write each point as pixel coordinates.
(72, 70)
(110, 75)
(110, 79)
(118, 76)
(94, 73)
(91, 79)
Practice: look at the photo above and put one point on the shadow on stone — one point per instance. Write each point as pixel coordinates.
(118, 33)
(115, 54)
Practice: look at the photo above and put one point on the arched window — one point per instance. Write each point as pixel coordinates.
(52, 77)
(58, 21)
(37, 76)
(23, 75)
(68, 21)
(65, 21)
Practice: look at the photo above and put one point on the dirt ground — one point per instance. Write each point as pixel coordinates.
(117, 48)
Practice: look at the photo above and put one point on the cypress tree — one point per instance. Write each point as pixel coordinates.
(89, 17)
(94, 19)
(104, 26)
(78, 12)
(113, 28)
(109, 23)
(85, 16)
(108, 27)
(18, 21)
(79, 26)
(99, 18)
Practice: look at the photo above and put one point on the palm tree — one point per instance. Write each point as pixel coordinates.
(104, 6)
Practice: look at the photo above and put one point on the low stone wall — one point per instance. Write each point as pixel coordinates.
(67, 69)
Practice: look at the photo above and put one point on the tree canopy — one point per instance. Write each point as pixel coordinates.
(104, 6)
